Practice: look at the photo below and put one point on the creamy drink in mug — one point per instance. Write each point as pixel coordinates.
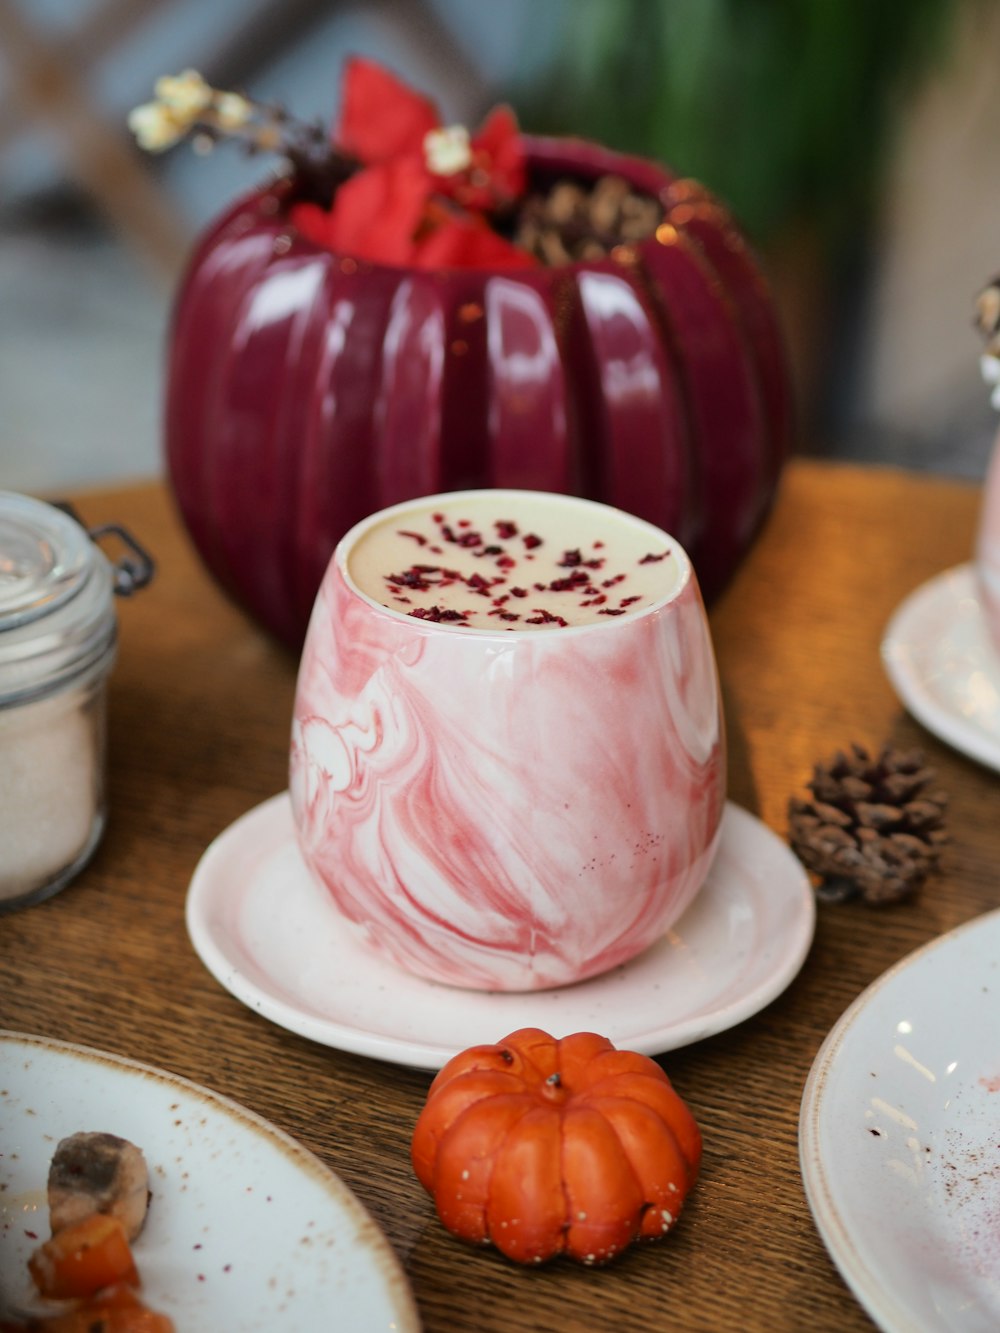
(507, 761)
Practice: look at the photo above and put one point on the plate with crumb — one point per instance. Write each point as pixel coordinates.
(244, 1227)
(899, 1138)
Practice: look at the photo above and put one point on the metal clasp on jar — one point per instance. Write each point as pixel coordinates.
(132, 570)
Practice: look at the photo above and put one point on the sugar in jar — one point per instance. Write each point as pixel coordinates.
(58, 632)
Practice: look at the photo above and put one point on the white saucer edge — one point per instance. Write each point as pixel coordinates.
(908, 681)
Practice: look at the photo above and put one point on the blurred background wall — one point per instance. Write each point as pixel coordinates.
(855, 140)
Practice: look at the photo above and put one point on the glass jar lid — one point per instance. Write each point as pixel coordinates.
(57, 615)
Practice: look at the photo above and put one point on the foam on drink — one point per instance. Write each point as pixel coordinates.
(513, 560)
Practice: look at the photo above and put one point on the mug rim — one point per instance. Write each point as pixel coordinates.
(684, 578)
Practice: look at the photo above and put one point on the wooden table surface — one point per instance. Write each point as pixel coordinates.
(200, 705)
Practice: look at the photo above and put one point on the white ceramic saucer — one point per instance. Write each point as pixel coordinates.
(943, 665)
(271, 936)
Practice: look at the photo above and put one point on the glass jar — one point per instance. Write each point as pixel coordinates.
(58, 633)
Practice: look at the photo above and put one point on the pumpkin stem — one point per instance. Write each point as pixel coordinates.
(553, 1089)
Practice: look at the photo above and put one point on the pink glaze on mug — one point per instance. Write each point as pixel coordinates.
(988, 547)
(510, 809)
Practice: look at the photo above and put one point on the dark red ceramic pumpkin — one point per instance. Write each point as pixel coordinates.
(307, 389)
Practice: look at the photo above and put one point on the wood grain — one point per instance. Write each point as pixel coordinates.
(200, 705)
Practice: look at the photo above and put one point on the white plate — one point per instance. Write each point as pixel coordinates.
(246, 1229)
(899, 1138)
(272, 937)
(943, 665)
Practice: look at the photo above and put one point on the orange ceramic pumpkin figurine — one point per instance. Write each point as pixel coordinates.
(545, 1147)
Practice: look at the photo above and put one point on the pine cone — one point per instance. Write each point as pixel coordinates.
(573, 221)
(872, 827)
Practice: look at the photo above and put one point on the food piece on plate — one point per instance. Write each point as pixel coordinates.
(98, 1173)
(546, 1147)
(98, 1196)
(81, 1259)
(115, 1310)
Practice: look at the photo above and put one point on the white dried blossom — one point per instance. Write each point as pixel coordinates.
(182, 102)
(155, 126)
(231, 110)
(185, 93)
(447, 150)
(185, 104)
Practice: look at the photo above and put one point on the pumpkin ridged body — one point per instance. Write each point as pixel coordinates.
(545, 1147)
(306, 389)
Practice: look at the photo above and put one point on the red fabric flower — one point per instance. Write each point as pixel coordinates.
(401, 207)
(380, 117)
(467, 241)
(496, 174)
(375, 214)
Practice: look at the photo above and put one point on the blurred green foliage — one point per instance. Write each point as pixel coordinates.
(785, 108)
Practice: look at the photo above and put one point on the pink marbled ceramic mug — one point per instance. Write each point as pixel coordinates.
(987, 557)
(507, 760)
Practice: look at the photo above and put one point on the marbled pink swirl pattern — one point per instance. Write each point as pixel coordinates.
(988, 546)
(513, 811)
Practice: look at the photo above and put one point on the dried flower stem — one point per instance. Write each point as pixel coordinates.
(185, 104)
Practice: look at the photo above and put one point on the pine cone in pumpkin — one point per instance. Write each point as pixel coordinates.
(873, 826)
(572, 221)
